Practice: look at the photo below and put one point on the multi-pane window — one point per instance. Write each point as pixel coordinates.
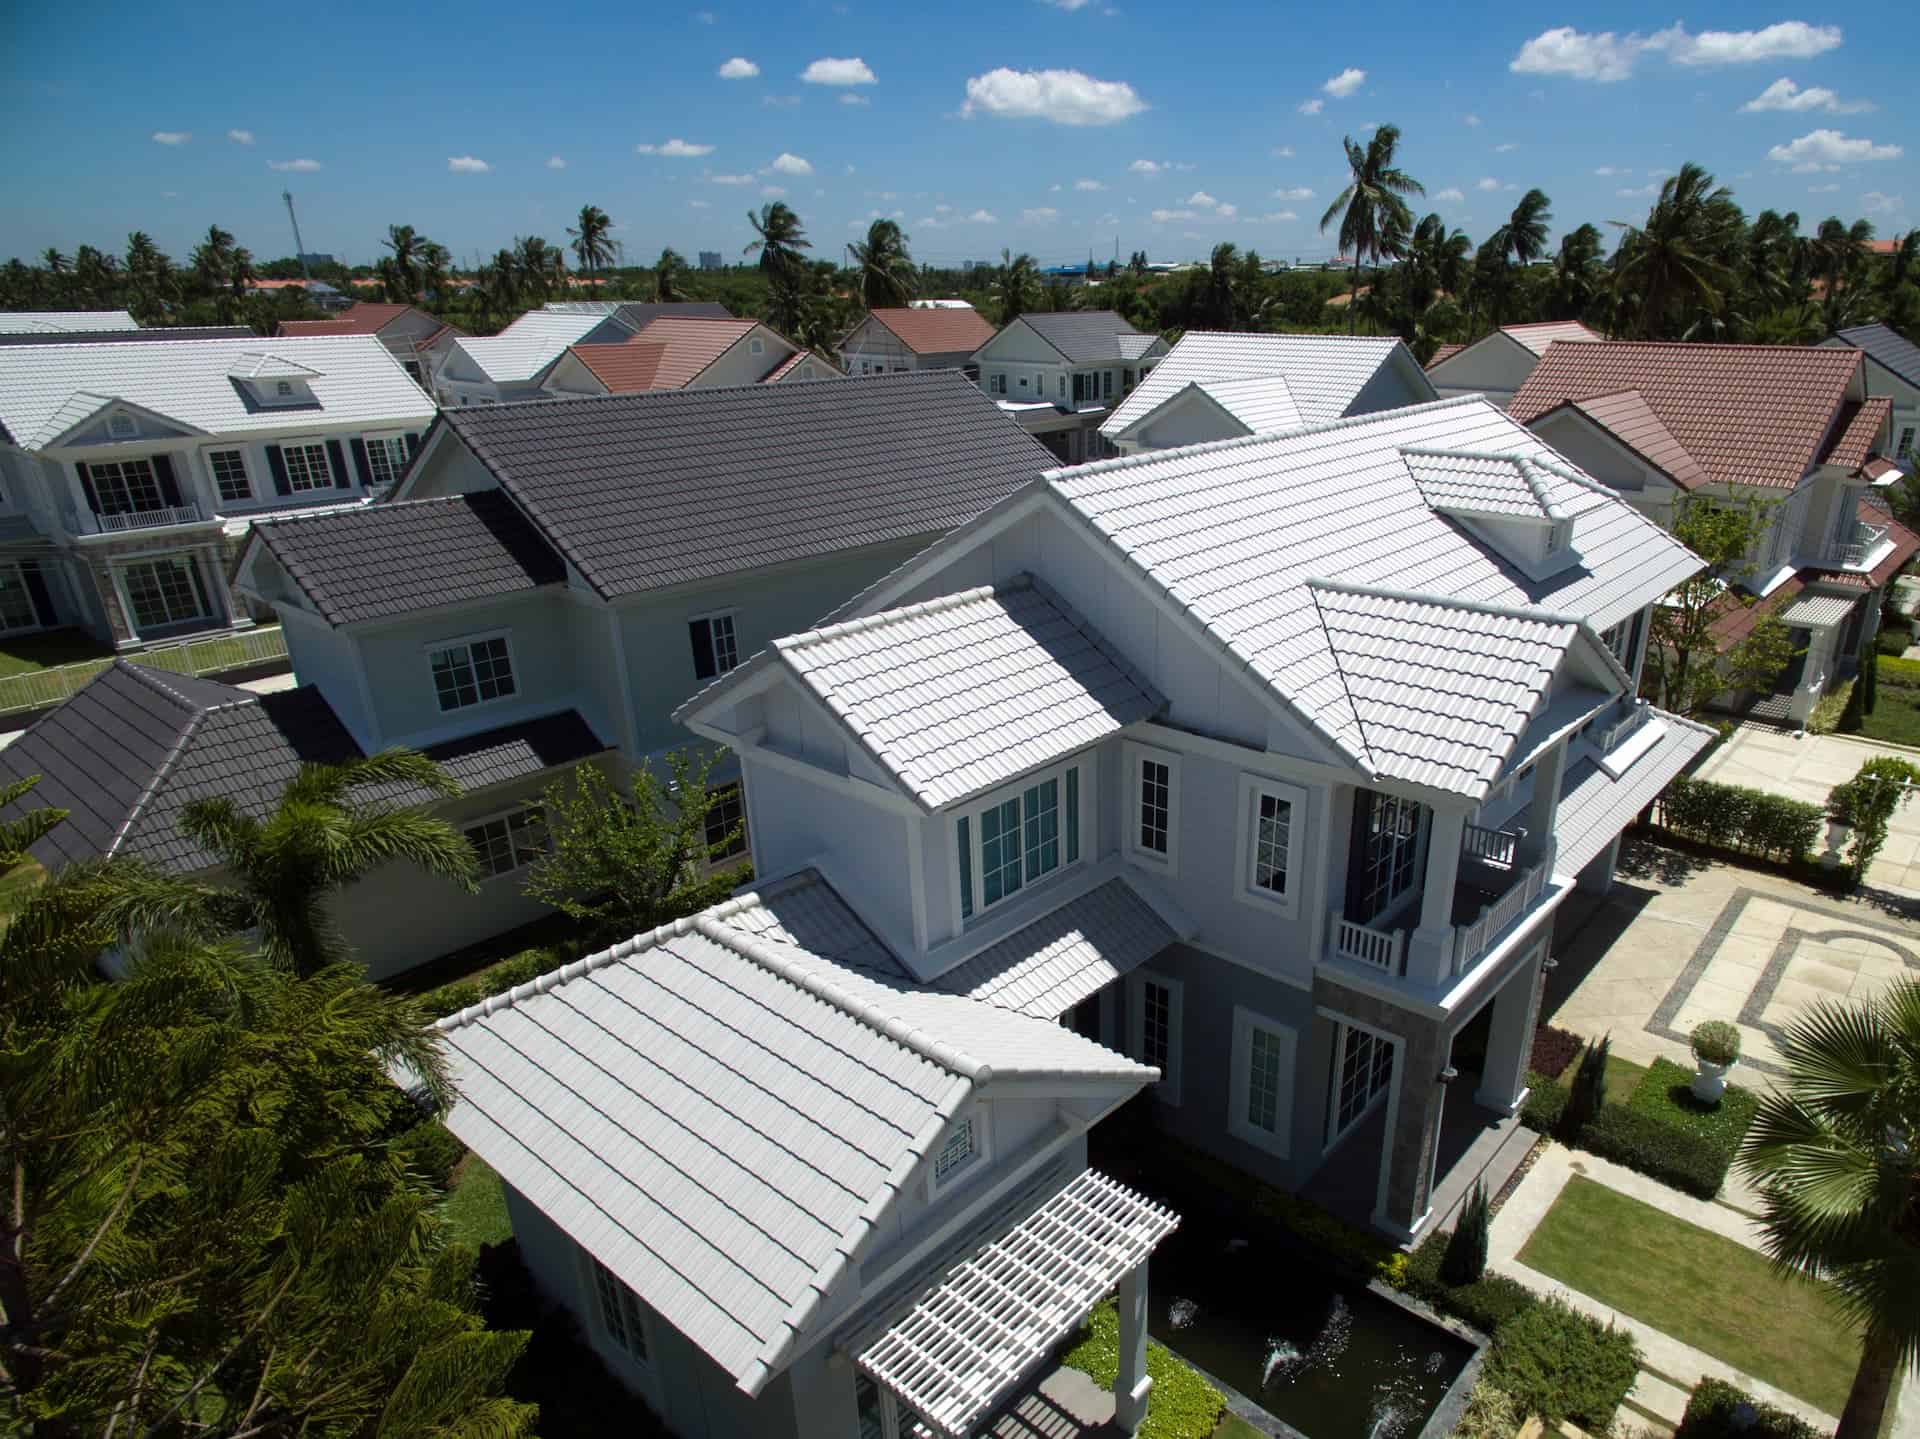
(716, 649)
(620, 1312)
(1366, 1066)
(1389, 851)
(386, 459)
(1153, 1029)
(16, 601)
(1266, 1079)
(1021, 838)
(471, 672)
(1040, 806)
(307, 467)
(125, 487)
(1156, 1024)
(166, 591)
(1000, 851)
(1272, 842)
(957, 1153)
(726, 834)
(230, 479)
(509, 842)
(1156, 794)
(1904, 449)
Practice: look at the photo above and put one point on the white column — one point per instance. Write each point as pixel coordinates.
(1430, 947)
(1132, 1384)
(1549, 771)
(1503, 1083)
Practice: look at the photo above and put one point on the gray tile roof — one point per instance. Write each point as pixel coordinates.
(110, 337)
(1595, 806)
(640, 314)
(1888, 346)
(377, 561)
(1506, 485)
(1086, 336)
(644, 491)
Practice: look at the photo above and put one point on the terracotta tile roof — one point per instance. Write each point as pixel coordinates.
(788, 365)
(1539, 334)
(1878, 466)
(624, 369)
(1736, 620)
(1748, 414)
(1858, 427)
(362, 317)
(936, 332)
(1632, 421)
(691, 345)
(1445, 352)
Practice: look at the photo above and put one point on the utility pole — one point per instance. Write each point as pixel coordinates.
(299, 247)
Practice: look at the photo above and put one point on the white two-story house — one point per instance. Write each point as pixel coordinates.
(1892, 370)
(1790, 428)
(417, 340)
(1060, 373)
(131, 471)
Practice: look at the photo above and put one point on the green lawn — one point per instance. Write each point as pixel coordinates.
(477, 1204)
(41, 651)
(1698, 1287)
(1623, 1077)
(1895, 717)
(1182, 1404)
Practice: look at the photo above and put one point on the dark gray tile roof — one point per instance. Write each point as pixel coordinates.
(1082, 336)
(390, 559)
(648, 490)
(1889, 347)
(128, 752)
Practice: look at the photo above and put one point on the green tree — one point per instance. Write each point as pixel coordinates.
(1519, 241)
(1372, 211)
(533, 266)
(779, 239)
(1676, 262)
(667, 271)
(887, 275)
(405, 248)
(623, 864)
(1017, 287)
(1835, 1154)
(593, 243)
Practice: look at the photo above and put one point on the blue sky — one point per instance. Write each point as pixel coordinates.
(1049, 127)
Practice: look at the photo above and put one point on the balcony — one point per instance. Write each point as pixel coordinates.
(147, 519)
(1858, 552)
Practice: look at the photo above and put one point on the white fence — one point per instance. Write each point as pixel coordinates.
(41, 689)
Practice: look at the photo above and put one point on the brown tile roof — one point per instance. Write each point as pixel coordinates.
(936, 332)
(1445, 352)
(1631, 420)
(691, 345)
(362, 317)
(1539, 334)
(1877, 466)
(624, 369)
(1748, 414)
(787, 366)
(1736, 620)
(1858, 427)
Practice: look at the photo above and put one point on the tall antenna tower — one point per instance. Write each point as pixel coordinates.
(299, 248)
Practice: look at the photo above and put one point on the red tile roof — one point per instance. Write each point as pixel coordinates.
(1858, 428)
(691, 345)
(1631, 420)
(624, 369)
(1747, 414)
(1445, 352)
(1736, 620)
(787, 366)
(362, 317)
(936, 332)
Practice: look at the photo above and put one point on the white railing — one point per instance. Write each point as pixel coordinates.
(1379, 948)
(147, 519)
(1494, 846)
(40, 689)
(1620, 729)
(1866, 539)
(1472, 940)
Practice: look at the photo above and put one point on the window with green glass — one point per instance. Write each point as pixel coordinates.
(1000, 851)
(1020, 839)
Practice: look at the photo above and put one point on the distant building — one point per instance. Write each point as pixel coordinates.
(710, 260)
(313, 261)
(970, 265)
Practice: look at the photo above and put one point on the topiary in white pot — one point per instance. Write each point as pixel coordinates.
(1716, 1049)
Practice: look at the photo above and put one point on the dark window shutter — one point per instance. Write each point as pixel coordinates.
(701, 632)
(342, 476)
(169, 487)
(36, 584)
(360, 461)
(277, 462)
(413, 445)
(86, 487)
(1363, 802)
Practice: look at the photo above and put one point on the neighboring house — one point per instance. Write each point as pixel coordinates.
(1220, 386)
(1060, 373)
(417, 340)
(326, 296)
(114, 337)
(679, 354)
(1497, 364)
(58, 322)
(1268, 761)
(135, 745)
(1792, 427)
(638, 314)
(1893, 370)
(914, 338)
(130, 472)
(512, 365)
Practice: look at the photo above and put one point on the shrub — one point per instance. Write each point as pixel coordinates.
(1666, 1094)
(1828, 709)
(429, 1149)
(1182, 1406)
(1867, 692)
(1899, 673)
(1715, 1041)
(1745, 821)
(1553, 1050)
(518, 969)
(1490, 1414)
(1486, 1304)
(1867, 802)
(1562, 1364)
(1717, 1410)
(1893, 638)
(1546, 1105)
(1589, 1089)
(1466, 1256)
(1656, 1149)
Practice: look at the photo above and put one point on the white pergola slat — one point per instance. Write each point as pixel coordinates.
(954, 1354)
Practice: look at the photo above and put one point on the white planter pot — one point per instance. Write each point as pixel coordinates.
(1710, 1080)
(1838, 837)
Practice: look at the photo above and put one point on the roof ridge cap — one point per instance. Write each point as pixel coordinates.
(168, 763)
(1452, 602)
(1346, 689)
(1524, 466)
(860, 624)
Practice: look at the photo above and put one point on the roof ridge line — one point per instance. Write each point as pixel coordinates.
(1346, 689)
(1524, 465)
(860, 624)
(161, 772)
(1451, 602)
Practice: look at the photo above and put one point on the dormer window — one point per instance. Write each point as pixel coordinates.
(1512, 503)
(121, 426)
(1017, 837)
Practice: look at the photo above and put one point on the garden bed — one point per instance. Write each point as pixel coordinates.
(1182, 1405)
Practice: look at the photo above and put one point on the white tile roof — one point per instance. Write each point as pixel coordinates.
(1262, 405)
(1536, 337)
(1594, 806)
(47, 389)
(959, 694)
(533, 342)
(54, 322)
(1324, 373)
(722, 1120)
(1509, 485)
(1200, 523)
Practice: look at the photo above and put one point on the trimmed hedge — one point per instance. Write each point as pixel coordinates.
(1486, 1304)
(1666, 1094)
(1717, 1410)
(1746, 821)
(1658, 1150)
(1562, 1364)
(1546, 1104)
(528, 964)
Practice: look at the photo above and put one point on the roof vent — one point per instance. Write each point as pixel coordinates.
(1504, 500)
(121, 426)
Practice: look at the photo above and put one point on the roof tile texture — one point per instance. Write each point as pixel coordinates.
(1324, 373)
(936, 332)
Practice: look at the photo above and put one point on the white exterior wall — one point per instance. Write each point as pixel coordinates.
(1495, 367)
(1192, 420)
(1611, 463)
(740, 366)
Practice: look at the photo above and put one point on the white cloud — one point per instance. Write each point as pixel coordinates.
(1506, 149)
(1471, 119)
(1486, 182)
(1609, 171)
(1283, 152)
(1823, 189)
(172, 137)
(788, 164)
(981, 217)
(703, 17)
(554, 162)
(943, 209)
(240, 137)
(1452, 195)
(1645, 192)
(738, 68)
(1829, 150)
(1369, 127)
(1149, 167)
(1088, 185)
(1227, 212)
(675, 149)
(303, 167)
(1293, 192)
(699, 204)
(1783, 94)
(1107, 219)
(731, 179)
(1345, 83)
(1658, 174)
(1275, 218)
(467, 165)
(1312, 107)
(1161, 217)
(1564, 50)
(779, 102)
(1202, 199)
(1066, 97)
(1040, 215)
(774, 192)
(1069, 5)
(1606, 57)
(829, 71)
(1875, 203)
(850, 98)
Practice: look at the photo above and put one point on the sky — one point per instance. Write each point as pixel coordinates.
(1057, 127)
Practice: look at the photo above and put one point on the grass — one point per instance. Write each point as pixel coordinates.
(1698, 1287)
(43, 651)
(1667, 1095)
(1895, 717)
(1232, 1426)
(477, 1204)
(1182, 1404)
(1623, 1078)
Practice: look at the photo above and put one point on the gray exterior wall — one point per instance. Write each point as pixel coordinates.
(1496, 367)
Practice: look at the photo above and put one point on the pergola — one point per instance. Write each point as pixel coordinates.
(991, 1316)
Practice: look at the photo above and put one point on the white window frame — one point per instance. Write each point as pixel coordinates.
(1344, 1030)
(732, 617)
(213, 475)
(385, 437)
(1245, 890)
(980, 804)
(1278, 1141)
(639, 1316)
(978, 1118)
(433, 647)
(1167, 1091)
(121, 468)
(737, 788)
(1906, 437)
(307, 442)
(506, 816)
(1136, 755)
(204, 589)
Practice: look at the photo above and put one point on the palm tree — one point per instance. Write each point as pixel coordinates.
(593, 242)
(1374, 218)
(1676, 260)
(1838, 251)
(886, 269)
(1518, 242)
(55, 262)
(533, 265)
(213, 259)
(1836, 1156)
(1576, 272)
(666, 275)
(779, 241)
(1018, 285)
(435, 270)
(1906, 256)
(406, 246)
(321, 836)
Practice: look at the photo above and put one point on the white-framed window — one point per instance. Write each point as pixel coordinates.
(167, 590)
(962, 1152)
(386, 458)
(997, 384)
(125, 487)
(508, 842)
(1106, 384)
(1063, 386)
(1903, 447)
(1018, 836)
(122, 426)
(307, 467)
(623, 1318)
(471, 671)
(1272, 839)
(1260, 1097)
(1391, 830)
(230, 479)
(18, 612)
(1153, 805)
(726, 817)
(1362, 1073)
(1154, 1017)
(716, 644)
(283, 388)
